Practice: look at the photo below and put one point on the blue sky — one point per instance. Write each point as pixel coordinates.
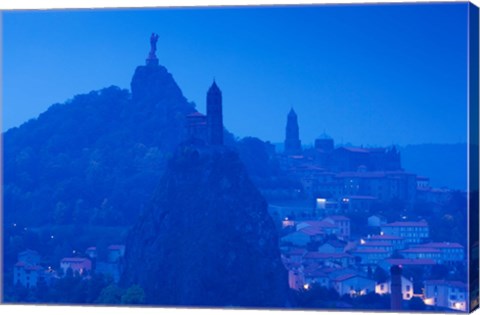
(364, 74)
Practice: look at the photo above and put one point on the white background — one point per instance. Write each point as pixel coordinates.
(77, 310)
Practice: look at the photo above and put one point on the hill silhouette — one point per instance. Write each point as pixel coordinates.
(96, 158)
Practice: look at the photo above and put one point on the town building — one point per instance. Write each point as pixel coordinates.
(27, 275)
(91, 252)
(78, 266)
(115, 253)
(449, 252)
(383, 245)
(334, 260)
(342, 223)
(398, 243)
(317, 276)
(370, 256)
(29, 257)
(446, 294)
(412, 232)
(352, 284)
(420, 266)
(197, 126)
(386, 288)
(332, 246)
(423, 253)
(27, 270)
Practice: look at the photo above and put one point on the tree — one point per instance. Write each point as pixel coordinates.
(133, 295)
(316, 296)
(41, 290)
(110, 295)
(95, 286)
(380, 275)
(416, 304)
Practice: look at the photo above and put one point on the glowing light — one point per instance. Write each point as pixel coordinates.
(362, 241)
(286, 222)
(321, 202)
(458, 305)
(429, 301)
(306, 286)
(381, 233)
(345, 200)
(74, 251)
(52, 237)
(14, 224)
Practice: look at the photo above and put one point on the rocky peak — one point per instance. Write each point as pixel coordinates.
(206, 239)
(154, 84)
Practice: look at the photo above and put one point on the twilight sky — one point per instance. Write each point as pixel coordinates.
(364, 74)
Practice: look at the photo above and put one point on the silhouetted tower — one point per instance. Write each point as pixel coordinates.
(214, 115)
(292, 140)
(396, 287)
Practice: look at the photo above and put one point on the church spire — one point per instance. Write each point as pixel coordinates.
(214, 115)
(292, 140)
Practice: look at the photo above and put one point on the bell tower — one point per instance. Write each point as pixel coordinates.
(214, 115)
(292, 141)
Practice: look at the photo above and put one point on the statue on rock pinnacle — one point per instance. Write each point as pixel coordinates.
(152, 57)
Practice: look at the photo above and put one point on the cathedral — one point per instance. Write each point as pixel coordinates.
(293, 145)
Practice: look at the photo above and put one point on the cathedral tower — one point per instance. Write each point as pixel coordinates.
(292, 140)
(214, 115)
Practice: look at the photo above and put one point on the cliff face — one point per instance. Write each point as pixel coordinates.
(164, 106)
(207, 239)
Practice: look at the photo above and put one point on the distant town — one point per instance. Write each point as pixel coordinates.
(351, 223)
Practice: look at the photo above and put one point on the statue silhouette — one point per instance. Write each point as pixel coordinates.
(153, 43)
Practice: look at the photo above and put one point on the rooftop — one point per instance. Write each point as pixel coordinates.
(311, 230)
(407, 224)
(317, 224)
(74, 260)
(338, 218)
(421, 250)
(441, 245)
(116, 247)
(345, 277)
(370, 251)
(317, 255)
(457, 284)
(386, 237)
(377, 243)
(336, 244)
(316, 273)
(407, 262)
